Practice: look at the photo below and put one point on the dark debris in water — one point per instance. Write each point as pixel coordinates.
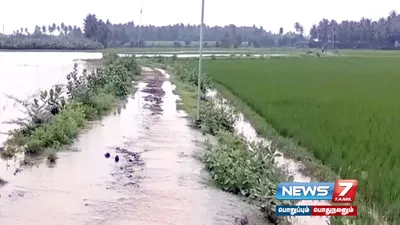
(183, 155)
(153, 99)
(17, 194)
(270, 215)
(154, 88)
(17, 170)
(27, 162)
(241, 220)
(3, 182)
(132, 157)
(128, 171)
(132, 184)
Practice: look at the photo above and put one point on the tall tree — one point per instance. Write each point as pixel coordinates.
(281, 31)
(299, 28)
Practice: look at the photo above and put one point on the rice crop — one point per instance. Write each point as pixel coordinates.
(345, 111)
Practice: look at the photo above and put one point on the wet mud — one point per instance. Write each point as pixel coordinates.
(154, 81)
(156, 178)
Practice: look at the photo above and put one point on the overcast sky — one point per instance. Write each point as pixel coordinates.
(270, 14)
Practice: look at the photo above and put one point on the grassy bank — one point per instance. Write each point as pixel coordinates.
(233, 167)
(56, 116)
(338, 111)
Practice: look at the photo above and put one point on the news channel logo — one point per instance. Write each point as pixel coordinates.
(340, 191)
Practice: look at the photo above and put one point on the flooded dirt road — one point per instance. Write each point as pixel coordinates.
(156, 180)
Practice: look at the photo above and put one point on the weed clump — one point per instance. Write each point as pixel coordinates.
(214, 118)
(55, 117)
(249, 172)
(238, 169)
(186, 73)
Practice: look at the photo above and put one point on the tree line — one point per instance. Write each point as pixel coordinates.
(366, 33)
(48, 37)
(97, 33)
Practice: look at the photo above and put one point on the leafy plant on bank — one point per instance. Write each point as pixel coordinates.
(250, 172)
(40, 109)
(54, 118)
(214, 118)
(186, 73)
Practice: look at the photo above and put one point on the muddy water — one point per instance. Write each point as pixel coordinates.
(156, 180)
(293, 168)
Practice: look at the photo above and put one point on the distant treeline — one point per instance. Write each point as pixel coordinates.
(97, 33)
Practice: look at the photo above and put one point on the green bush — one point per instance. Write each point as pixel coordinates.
(59, 131)
(187, 73)
(102, 103)
(109, 57)
(238, 169)
(214, 118)
(231, 165)
(130, 64)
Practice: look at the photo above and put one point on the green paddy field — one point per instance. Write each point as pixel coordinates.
(343, 110)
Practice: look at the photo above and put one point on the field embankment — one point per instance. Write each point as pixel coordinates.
(55, 116)
(342, 110)
(234, 168)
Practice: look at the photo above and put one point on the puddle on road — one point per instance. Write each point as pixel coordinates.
(156, 181)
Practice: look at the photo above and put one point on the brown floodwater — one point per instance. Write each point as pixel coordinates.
(156, 181)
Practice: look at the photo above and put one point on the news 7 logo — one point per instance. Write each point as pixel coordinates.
(340, 191)
(344, 191)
